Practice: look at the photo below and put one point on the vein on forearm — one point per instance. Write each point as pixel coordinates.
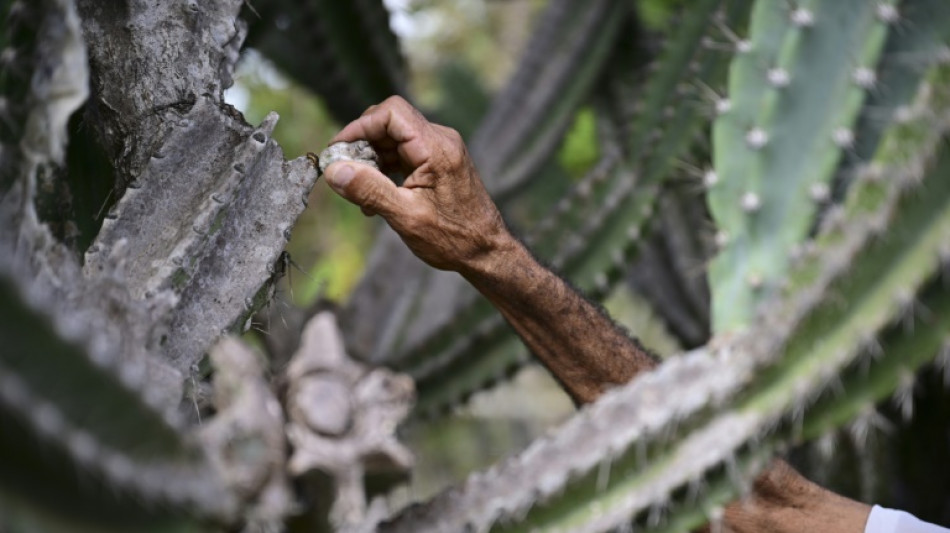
(573, 337)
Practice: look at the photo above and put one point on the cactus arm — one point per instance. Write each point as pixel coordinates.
(778, 147)
(529, 117)
(67, 385)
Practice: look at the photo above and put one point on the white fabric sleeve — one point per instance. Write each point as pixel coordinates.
(883, 520)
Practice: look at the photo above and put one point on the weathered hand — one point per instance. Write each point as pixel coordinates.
(442, 210)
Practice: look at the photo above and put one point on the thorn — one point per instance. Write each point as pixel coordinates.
(722, 238)
(716, 516)
(903, 114)
(710, 178)
(904, 396)
(600, 282)
(826, 445)
(803, 18)
(819, 192)
(868, 420)
(633, 233)
(723, 106)
(47, 419)
(778, 77)
(82, 446)
(843, 138)
(756, 138)
(655, 515)
(887, 13)
(864, 77)
(750, 202)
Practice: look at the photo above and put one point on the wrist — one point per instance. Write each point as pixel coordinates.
(495, 263)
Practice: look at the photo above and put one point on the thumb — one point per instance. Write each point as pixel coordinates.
(364, 186)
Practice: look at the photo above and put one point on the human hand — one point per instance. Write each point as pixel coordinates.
(442, 211)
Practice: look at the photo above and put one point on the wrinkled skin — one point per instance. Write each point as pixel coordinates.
(445, 216)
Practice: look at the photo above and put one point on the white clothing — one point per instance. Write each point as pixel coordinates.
(883, 520)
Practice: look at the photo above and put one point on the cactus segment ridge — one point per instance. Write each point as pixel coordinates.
(528, 119)
(732, 418)
(69, 384)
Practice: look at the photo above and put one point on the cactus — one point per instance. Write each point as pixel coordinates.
(830, 144)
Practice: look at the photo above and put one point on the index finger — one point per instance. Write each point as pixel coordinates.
(391, 124)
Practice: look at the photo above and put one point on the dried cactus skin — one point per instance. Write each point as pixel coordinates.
(208, 201)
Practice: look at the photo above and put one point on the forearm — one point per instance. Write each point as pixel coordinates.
(588, 353)
(584, 349)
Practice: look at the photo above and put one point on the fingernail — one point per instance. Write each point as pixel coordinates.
(338, 175)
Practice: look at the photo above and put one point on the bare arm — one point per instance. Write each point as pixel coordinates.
(446, 217)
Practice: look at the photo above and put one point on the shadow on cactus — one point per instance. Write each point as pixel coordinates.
(782, 168)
